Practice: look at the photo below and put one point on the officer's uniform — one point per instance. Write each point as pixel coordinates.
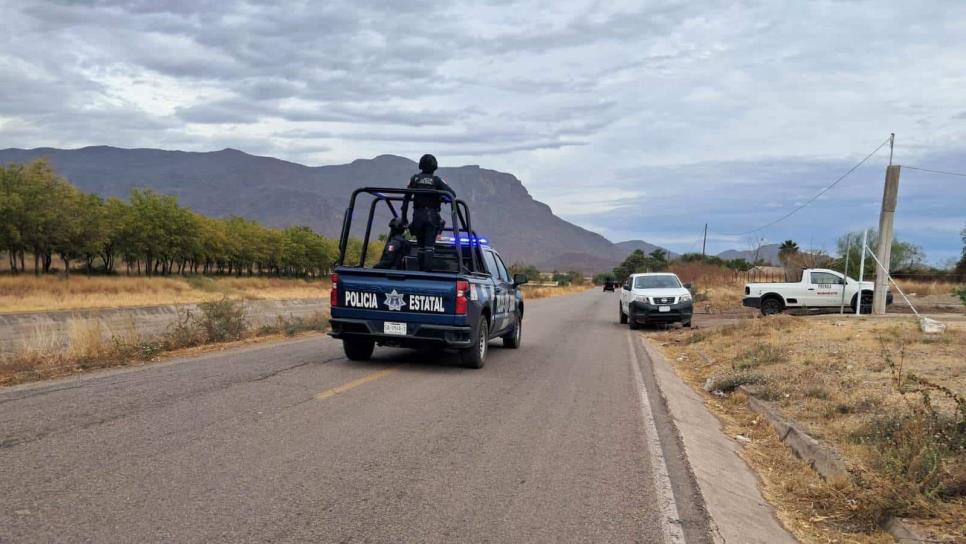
(397, 246)
(427, 222)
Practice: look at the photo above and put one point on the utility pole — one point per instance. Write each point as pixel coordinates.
(704, 244)
(890, 195)
(858, 295)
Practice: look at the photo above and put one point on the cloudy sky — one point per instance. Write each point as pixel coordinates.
(638, 120)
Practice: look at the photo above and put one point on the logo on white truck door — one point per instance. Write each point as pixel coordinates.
(395, 301)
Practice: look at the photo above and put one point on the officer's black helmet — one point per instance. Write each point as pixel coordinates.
(427, 164)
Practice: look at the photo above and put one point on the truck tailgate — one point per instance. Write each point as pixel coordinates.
(397, 296)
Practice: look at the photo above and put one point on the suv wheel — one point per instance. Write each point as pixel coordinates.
(358, 349)
(475, 355)
(622, 316)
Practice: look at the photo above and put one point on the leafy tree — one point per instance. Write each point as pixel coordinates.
(961, 267)
(531, 271)
(905, 256)
(603, 278)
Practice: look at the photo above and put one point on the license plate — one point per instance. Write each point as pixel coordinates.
(390, 327)
(664, 308)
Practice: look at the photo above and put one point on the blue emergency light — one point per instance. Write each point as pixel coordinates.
(464, 240)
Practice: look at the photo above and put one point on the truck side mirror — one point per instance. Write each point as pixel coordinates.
(687, 286)
(520, 279)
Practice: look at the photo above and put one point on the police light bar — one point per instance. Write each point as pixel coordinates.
(464, 240)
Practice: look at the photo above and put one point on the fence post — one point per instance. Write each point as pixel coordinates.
(858, 294)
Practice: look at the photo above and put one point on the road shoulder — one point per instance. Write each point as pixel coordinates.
(733, 501)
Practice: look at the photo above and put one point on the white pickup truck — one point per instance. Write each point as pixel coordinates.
(818, 288)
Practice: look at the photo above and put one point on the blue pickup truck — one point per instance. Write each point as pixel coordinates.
(464, 301)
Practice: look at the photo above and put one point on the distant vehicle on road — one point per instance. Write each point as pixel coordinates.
(610, 285)
(655, 298)
(466, 299)
(818, 288)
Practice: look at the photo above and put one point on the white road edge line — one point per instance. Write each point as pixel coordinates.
(671, 522)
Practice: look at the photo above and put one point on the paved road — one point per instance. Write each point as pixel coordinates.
(290, 442)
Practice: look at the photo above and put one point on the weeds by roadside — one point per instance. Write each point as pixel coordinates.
(889, 398)
(90, 347)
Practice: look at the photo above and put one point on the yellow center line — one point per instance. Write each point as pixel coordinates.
(329, 393)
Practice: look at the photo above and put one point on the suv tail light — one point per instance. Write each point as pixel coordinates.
(334, 293)
(462, 287)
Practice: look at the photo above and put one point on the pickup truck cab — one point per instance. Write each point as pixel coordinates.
(818, 288)
(465, 300)
(655, 298)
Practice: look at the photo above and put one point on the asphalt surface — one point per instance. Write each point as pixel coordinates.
(291, 442)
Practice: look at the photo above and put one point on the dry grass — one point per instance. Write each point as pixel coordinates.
(26, 293)
(927, 288)
(861, 386)
(89, 346)
(714, 287)
(543, 292)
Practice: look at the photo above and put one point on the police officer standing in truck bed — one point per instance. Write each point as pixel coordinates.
(427, 222)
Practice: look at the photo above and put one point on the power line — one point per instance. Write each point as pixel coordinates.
(814, 198)
(943, 172)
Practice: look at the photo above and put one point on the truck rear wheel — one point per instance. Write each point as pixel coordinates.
(515, 337)
(866, 302)
(771, 306)
(358, 349)
(475, 355)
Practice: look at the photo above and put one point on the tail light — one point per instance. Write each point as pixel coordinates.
(462, 287)
(334, 293)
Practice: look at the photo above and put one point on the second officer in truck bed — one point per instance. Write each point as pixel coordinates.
(427, 222)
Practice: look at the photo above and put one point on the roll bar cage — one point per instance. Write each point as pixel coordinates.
(460, 215)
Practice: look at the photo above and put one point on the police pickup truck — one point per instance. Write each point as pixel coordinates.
(464, 301)
(818, 288)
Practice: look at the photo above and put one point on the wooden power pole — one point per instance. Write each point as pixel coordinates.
(890, 196)
(704, 244)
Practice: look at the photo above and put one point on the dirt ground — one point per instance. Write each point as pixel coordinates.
(877, 389)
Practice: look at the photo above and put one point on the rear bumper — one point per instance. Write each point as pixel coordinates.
(641, 312)
(417, 334)
(751, 302)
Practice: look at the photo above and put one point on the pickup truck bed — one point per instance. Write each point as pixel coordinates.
(414, 309)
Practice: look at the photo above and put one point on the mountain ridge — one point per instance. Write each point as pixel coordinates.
(281, 193)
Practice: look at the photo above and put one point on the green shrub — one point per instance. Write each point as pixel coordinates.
(223, 320)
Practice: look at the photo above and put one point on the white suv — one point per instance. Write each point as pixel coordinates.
(655, 298)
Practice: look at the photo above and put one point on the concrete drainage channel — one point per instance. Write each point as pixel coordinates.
(53, 328)
(822, 458)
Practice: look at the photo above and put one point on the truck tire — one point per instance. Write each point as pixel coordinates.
(686, 323)
(475, 355)
(866, 302)
(515, 337)
(632, 323)
(622, 316)
(358, 349)
(771, 306)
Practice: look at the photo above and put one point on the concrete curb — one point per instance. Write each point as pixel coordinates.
(738, 512)
(823, 459)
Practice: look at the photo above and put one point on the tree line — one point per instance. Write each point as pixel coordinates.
(42, 215)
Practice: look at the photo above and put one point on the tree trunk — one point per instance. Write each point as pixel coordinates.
(66, 266)
(36, 263)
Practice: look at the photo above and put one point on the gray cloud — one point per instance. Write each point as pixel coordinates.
(738, 111)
